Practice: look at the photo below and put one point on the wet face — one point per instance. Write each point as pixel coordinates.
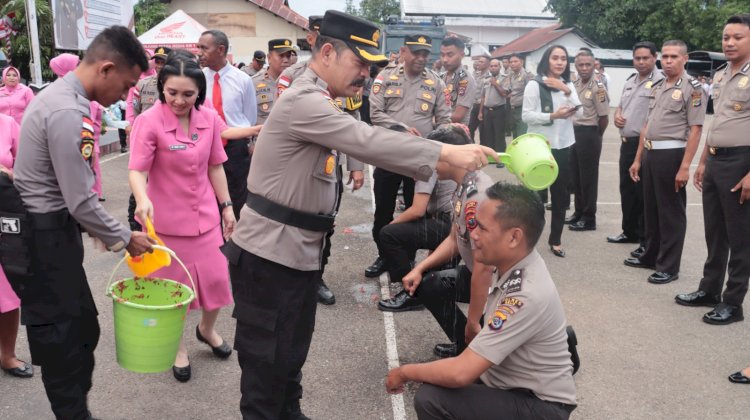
(516, 64)
(643, 61)
(278, 62)
(492, 243)
(414, 61)
(210, 54)
(585, 67)
(735, 42)
(558, 62)
(673, 59)
(11, 78)
(451, 57)
(180, 93)
(114, 82)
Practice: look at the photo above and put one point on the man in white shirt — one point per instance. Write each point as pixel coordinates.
(232, 94)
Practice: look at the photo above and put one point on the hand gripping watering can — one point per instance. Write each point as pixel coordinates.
(529, 158)
(146, 264)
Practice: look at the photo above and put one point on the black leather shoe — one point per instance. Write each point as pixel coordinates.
(638, 252)
(697, 298)
(580, 226)
(293, 412)
(222, 351)
(637, 263)
(402, 302)
(621, 239)
(500, 165)
(182, 374)
(25, 371)
(445, 350)
(572, 219)
(739, 378)
(124, 149)
(724, 314)
(662, 278)
(325, 295)
(377, 268)
(557, 252)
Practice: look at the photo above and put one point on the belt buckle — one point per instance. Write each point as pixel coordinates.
(648, 145)
(712, 150)
(624, 140)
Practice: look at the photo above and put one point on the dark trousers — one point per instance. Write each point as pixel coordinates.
(518, 127)
(385, 188)
(439, 292)
(364, 110)
(480, 402)
(329, 234)
(727, 224)
(631, 193)
(584, 171)
(559, 195)
(275, 311)
(474, 122)
(493, 131)
(121, 133)
(663, 209)
(134, 225)
(236, 168)
(402, 240)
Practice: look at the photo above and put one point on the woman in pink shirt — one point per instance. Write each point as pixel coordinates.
(14, 96)
(9, 302)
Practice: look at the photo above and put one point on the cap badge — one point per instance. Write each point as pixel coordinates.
(287, 43)
(160, 51)
(422, 40)
(376, 36)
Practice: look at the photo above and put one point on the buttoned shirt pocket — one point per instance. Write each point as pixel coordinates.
(423, 106)
(325, 166)
(265, 102)
(676, 105)
(740, 96)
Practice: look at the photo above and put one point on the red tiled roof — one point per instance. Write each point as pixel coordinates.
(281, 9)
(532, 41)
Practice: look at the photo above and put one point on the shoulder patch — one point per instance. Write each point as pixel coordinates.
(470, 215)
(514, 283)
(87, 138)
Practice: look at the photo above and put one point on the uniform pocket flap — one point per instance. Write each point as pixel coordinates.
(261, 318)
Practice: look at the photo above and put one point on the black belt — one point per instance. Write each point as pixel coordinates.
(728, 151)
(586, 127)
(492, 108)
(629, 139)
(50, 221)
(289, 216)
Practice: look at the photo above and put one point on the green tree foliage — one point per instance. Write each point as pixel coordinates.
(621, 23)
(374, 10)
(20, 43)
(148, 13)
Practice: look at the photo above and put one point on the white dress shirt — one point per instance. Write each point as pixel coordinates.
(237, 95)
(560, 132)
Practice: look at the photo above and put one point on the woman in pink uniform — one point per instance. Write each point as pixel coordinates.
(177, 176)
(14, 96)
(9, 302)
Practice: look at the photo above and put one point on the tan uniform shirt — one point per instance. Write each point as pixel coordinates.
(481, 80)
(441, 194)
(595, 100)
(53, 169)
(251, 71)
(265, 94)
(466, 201)
(304, 131)
(731, 94)
(674, 109)
(460, 89)
(420, 102)
(524, 336)
(634, 102)
(492, 97)
(146, 94)
(516, 84)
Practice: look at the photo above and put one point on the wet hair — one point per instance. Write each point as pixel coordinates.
(676, 43)
(742, 19)
(219, 37)
(181, 64)
(454, 41)
(119, 45)
(519, 207)
(450, 134)
(543, 67)
(650, 46)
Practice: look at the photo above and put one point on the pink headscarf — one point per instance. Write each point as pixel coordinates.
(5, 74)
(64, 64)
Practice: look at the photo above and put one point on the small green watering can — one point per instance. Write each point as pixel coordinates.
(529, 158)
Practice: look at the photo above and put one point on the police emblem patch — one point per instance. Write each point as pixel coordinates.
(330, 165)
(677, 95)
(376, 88)
(424, 107)
(738, 107)
(470, 215)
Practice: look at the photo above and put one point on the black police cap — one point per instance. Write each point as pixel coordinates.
(314, 22)
(161, 52)
(280, 45)
(418, 42)
(362, 36)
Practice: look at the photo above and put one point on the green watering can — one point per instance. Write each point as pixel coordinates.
(529, 158)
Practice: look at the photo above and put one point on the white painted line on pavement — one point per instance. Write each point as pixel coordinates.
(114, 157)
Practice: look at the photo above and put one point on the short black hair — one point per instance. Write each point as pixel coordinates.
(119, 45)
(454, 41)
(646, 44)
(543, 67)
(517, 55)
(181, 64)
(321, 40)
(519, 207)
(220, 38)
(450, 134)
(742, 19)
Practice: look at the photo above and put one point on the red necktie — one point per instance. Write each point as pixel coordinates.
(217, 102)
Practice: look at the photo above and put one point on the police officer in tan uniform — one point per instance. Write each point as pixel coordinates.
(54, 176)
(492, 114)
(411, 96)
(515, 83)
(460, 86)
(265, 81)
(723, 176)
(677, 108)
(518, 366)
(480, 77)
(585, 153)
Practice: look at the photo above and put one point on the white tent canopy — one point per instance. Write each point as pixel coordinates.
(179, 30)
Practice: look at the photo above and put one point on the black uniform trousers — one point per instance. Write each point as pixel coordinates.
(329, 234)
(439, 291)
(60, 315)
(385, 189)
(493, 131)
(236, 168)
(275, 310)
(402, 240)
(480, 402)
(584, 171)
(727, 224)
(663, 209)
(474, 122)
(559, 195)
(518, 127)
(631, 193)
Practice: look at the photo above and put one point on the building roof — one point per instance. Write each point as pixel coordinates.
(281, 9)
(536, 39)
(482, 8)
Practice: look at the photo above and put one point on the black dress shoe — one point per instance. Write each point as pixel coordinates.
(697, 298)
(621, 239)
(724, 314)
(739, 378)
(293, 412)
(222, 351)
(662, 278)
(572, 219)
(377, 268)
(182, 374)
(25, 371)
(124, 149)
(637, 263)
(325, 295)
(500, 165)
(557, 252)
(638, 252)
(445, 350)
(402, 302)
(580, 226)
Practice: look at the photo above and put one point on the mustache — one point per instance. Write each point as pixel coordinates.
(359, 82)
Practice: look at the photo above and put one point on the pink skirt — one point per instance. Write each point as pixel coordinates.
(207, 265)
(8, 299)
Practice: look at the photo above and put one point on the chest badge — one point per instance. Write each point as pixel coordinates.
(677, 95)
(393, 77)
(330, 165)
(738, 107)
(588, 94)
(742, 84)
(424, 107)
(429, 82)
(176, 147)
(649, 84)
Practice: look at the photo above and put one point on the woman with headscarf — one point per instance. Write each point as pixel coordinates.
(14, 96)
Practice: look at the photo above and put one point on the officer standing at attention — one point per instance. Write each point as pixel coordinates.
(279, 59)
(723, 176)
(232, 94)
(518, 366)
(585, 152)
(630, 118)
(460, 86)
(53, 175)
(480, 77)
(671, 136)
(411, 96)
(275, 251)
(515, 83)
(492, 114)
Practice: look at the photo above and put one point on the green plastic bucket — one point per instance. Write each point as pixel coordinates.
(529, 157)
(149, 317)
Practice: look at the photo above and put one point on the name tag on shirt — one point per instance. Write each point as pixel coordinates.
(175, 147)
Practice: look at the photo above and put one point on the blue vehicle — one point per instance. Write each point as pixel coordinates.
(396, 29)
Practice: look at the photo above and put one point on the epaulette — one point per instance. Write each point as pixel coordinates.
(745, 68)
(722, 67)
(600, 84)
(632, 76)
(658, 82)
(696, 84)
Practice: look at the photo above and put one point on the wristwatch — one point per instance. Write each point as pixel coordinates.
(225, 204)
